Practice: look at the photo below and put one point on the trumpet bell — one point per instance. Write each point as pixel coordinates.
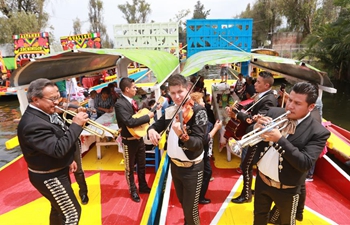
(235, 147)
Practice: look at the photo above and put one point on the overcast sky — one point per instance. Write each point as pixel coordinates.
(63, 12)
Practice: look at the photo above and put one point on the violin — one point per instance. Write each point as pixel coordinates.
(184, 115)
(187, 111)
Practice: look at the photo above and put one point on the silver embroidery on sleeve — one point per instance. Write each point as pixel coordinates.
(201, 117)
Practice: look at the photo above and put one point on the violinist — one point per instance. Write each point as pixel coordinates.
(185, 145)
(264, 100)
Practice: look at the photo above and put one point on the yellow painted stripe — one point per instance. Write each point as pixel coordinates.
(10, 163)
(228, 211)
(152, 195)
(37, 212)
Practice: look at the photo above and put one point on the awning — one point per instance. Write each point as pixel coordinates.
(80, 62)
(10, 63)
(291, 69)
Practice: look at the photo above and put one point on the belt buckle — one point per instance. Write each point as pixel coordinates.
(275, 184)
(178, 163)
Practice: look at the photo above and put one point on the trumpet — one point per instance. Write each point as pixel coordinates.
(253, 137)
(91, 123)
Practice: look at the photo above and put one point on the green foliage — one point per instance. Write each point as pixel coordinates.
(265, 18)
(330, 44)
(199, 12)
(77, 26)
(137, 12)
(19, 17)
(96, 22)
(18, 23)
(182, 25)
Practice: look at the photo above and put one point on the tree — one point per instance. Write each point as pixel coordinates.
(137, 12)
(299, 14)
(199, 12)
(182, 25)
(77, 26)
(21, 16)
(96, 22)
(266, 19)
(330, 44)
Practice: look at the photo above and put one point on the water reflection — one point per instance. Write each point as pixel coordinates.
(9, 111)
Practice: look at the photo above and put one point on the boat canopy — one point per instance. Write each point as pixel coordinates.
(10, 63)
(292, 70)
(80, 62)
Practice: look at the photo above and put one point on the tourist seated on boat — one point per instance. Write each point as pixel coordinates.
(91, 105)
(249, 89)
(114, 94)
(144, 102)
(240, 86)
(116, 88)
(164, 93)
(104, 102)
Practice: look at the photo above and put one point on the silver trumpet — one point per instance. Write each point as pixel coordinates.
(253, 137)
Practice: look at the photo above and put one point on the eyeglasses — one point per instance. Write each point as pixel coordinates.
(55, 99)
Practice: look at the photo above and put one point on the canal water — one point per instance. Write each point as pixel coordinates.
(336, 108)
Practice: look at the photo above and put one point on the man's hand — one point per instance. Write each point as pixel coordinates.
(73, 167)
(110, 110)
(151, 115)
(82, 109)
(230, 112)
(154, 137)
(262, 122)
(177, 128)
(81, 118)
(270, 135)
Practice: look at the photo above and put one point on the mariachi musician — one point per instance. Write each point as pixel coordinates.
(185, 146)
(263, 101)
(134, 147)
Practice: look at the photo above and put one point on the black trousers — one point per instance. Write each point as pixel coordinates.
(79, 173)
(134, 152)
(275, 214)
(247, 170)
(286, 201)
(56, 187)
(188, 182)
(206, 174)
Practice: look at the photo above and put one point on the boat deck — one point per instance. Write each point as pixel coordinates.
(324, 205)
(110, 202)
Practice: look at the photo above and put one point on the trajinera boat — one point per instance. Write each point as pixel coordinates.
(328, 199)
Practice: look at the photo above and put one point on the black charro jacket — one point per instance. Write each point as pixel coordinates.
(299, 150)
(46, 146)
